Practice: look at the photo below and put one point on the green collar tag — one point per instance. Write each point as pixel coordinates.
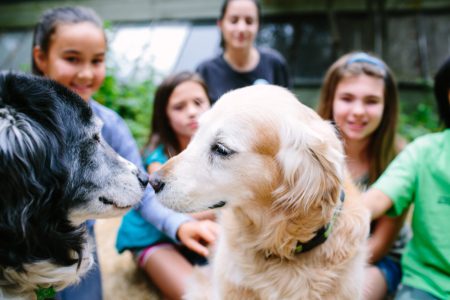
(45, 293)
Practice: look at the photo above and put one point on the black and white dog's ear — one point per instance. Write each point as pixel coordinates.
(27, 151)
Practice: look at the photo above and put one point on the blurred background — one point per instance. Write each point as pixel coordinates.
(149, 39)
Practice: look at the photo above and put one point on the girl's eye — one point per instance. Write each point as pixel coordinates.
(345, 99)
(98, 61)
(234, 20)
(72, 59)
(373, 101)
(178, 107)
(249, 21)
(199, 101)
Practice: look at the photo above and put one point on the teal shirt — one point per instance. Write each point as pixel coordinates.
(420, 175)
(157, 155)
(135, 232)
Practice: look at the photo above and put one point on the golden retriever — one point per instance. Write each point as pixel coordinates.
(278, 171)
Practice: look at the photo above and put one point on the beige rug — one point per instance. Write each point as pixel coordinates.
(122, 280)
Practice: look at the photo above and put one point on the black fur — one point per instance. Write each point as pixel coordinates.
(56, 171)
(35, 201)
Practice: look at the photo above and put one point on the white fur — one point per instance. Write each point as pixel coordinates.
(45, 274)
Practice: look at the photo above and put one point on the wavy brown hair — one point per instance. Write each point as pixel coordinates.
(383, 145)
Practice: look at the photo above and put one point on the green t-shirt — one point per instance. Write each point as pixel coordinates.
(420, 175)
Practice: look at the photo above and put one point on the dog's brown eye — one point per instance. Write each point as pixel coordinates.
(221, 150)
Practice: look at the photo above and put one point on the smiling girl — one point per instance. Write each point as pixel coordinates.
(359, 95)
(72, 51)
(69, 46)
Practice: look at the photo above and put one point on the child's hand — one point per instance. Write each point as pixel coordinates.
(195, 234)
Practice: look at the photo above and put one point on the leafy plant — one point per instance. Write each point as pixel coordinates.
(133, 101)
(418, 113)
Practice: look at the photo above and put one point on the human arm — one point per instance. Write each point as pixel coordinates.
(377, 202)
(197, 234)
(392, 193)
(163, 218)
(384, 234)
(182, 228)
(395, 189)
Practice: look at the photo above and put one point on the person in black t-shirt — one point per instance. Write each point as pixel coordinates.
(241, 63)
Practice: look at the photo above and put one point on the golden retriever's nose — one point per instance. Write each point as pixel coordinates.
(156, 182)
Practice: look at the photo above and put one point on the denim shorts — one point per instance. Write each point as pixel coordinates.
(392, 273)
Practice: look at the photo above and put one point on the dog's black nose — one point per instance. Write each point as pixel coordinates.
(143, 179)
(156, 182)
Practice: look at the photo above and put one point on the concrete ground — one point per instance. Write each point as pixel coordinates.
(122, 280)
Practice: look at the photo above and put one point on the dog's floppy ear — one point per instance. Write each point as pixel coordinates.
(30, 136)
(311, 161)
(32, 174)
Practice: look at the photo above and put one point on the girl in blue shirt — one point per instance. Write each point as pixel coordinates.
(178, 103)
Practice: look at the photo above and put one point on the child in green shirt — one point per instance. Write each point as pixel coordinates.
(420, 176)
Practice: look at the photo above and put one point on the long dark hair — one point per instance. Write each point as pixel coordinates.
(49, 22)
(161, 131)
(223, 10)
(442, 92)
(383, 145)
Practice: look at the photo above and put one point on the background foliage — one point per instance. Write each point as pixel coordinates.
(132, 100)
(418, 112)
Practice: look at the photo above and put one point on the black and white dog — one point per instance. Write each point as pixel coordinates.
(56, 171)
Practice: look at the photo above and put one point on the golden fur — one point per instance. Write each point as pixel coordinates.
(279, 170)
